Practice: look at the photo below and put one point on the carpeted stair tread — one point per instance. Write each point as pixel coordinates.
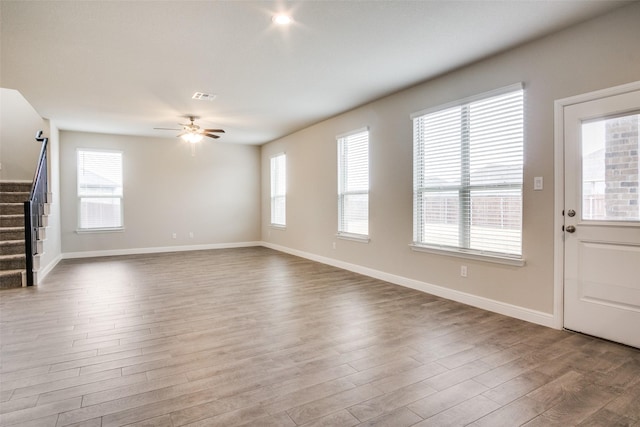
(11, 220)
(15, 186)
(11, 242)
(11, 256)
(11, 233)
(12, 262)
(10, 247)
(10, 279)
(11, 208)
(14, 196)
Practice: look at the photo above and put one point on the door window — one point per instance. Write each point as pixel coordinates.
(610, 169)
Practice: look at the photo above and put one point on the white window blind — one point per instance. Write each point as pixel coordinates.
(279, 190)
(468, 161)
(353, 184)
(99, 189)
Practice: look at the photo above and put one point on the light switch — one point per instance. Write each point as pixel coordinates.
(538, 183)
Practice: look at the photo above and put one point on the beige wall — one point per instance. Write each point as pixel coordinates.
(214, 194)
(19, 123)
(591, 56)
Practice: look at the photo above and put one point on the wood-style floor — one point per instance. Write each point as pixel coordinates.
(255, 337)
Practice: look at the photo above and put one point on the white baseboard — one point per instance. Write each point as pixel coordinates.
(153, 250)
(522, 313)
(42, 272)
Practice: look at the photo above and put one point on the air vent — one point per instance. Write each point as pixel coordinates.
(203, 96)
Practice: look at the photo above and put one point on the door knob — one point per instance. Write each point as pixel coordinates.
(570, 229)
(571, 213)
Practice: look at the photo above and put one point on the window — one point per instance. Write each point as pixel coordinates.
(468, 160)
(610, 180)
(279, 190)
(353, 184)
(99, 189)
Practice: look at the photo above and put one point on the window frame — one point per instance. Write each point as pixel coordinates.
(275, 192)
(464, 188)
(80, 196)
(343, 176)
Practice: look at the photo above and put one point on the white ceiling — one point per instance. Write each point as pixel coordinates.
(125, 67)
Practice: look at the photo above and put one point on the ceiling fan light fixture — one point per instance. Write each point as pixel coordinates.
(192, 137)
(282, 19)
(192, 133)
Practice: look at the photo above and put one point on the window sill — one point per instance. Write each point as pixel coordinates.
(354, 237)
(278, 226)
(99, 230)
(497, 259)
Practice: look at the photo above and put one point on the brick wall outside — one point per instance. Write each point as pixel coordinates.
(621, 168)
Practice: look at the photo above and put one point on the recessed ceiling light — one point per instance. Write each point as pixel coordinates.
(282, 19)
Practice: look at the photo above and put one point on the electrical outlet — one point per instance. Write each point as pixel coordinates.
(463, 270)
(174, 236)
(334, 245)
(191, 234)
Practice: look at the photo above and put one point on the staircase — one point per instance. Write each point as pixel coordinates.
(13, 194)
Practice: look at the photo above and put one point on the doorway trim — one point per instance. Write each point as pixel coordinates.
(558, 205)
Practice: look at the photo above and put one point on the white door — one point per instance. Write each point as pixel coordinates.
(602, 218)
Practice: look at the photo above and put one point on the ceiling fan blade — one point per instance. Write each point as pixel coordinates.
(181, 133)
(210, 135)
(166, 129)
(214, 130)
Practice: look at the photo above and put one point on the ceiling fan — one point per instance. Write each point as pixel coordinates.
(192, 133)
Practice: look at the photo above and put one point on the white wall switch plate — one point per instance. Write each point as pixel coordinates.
(538, 183)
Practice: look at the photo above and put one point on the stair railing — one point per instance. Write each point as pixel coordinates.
(34, 208)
